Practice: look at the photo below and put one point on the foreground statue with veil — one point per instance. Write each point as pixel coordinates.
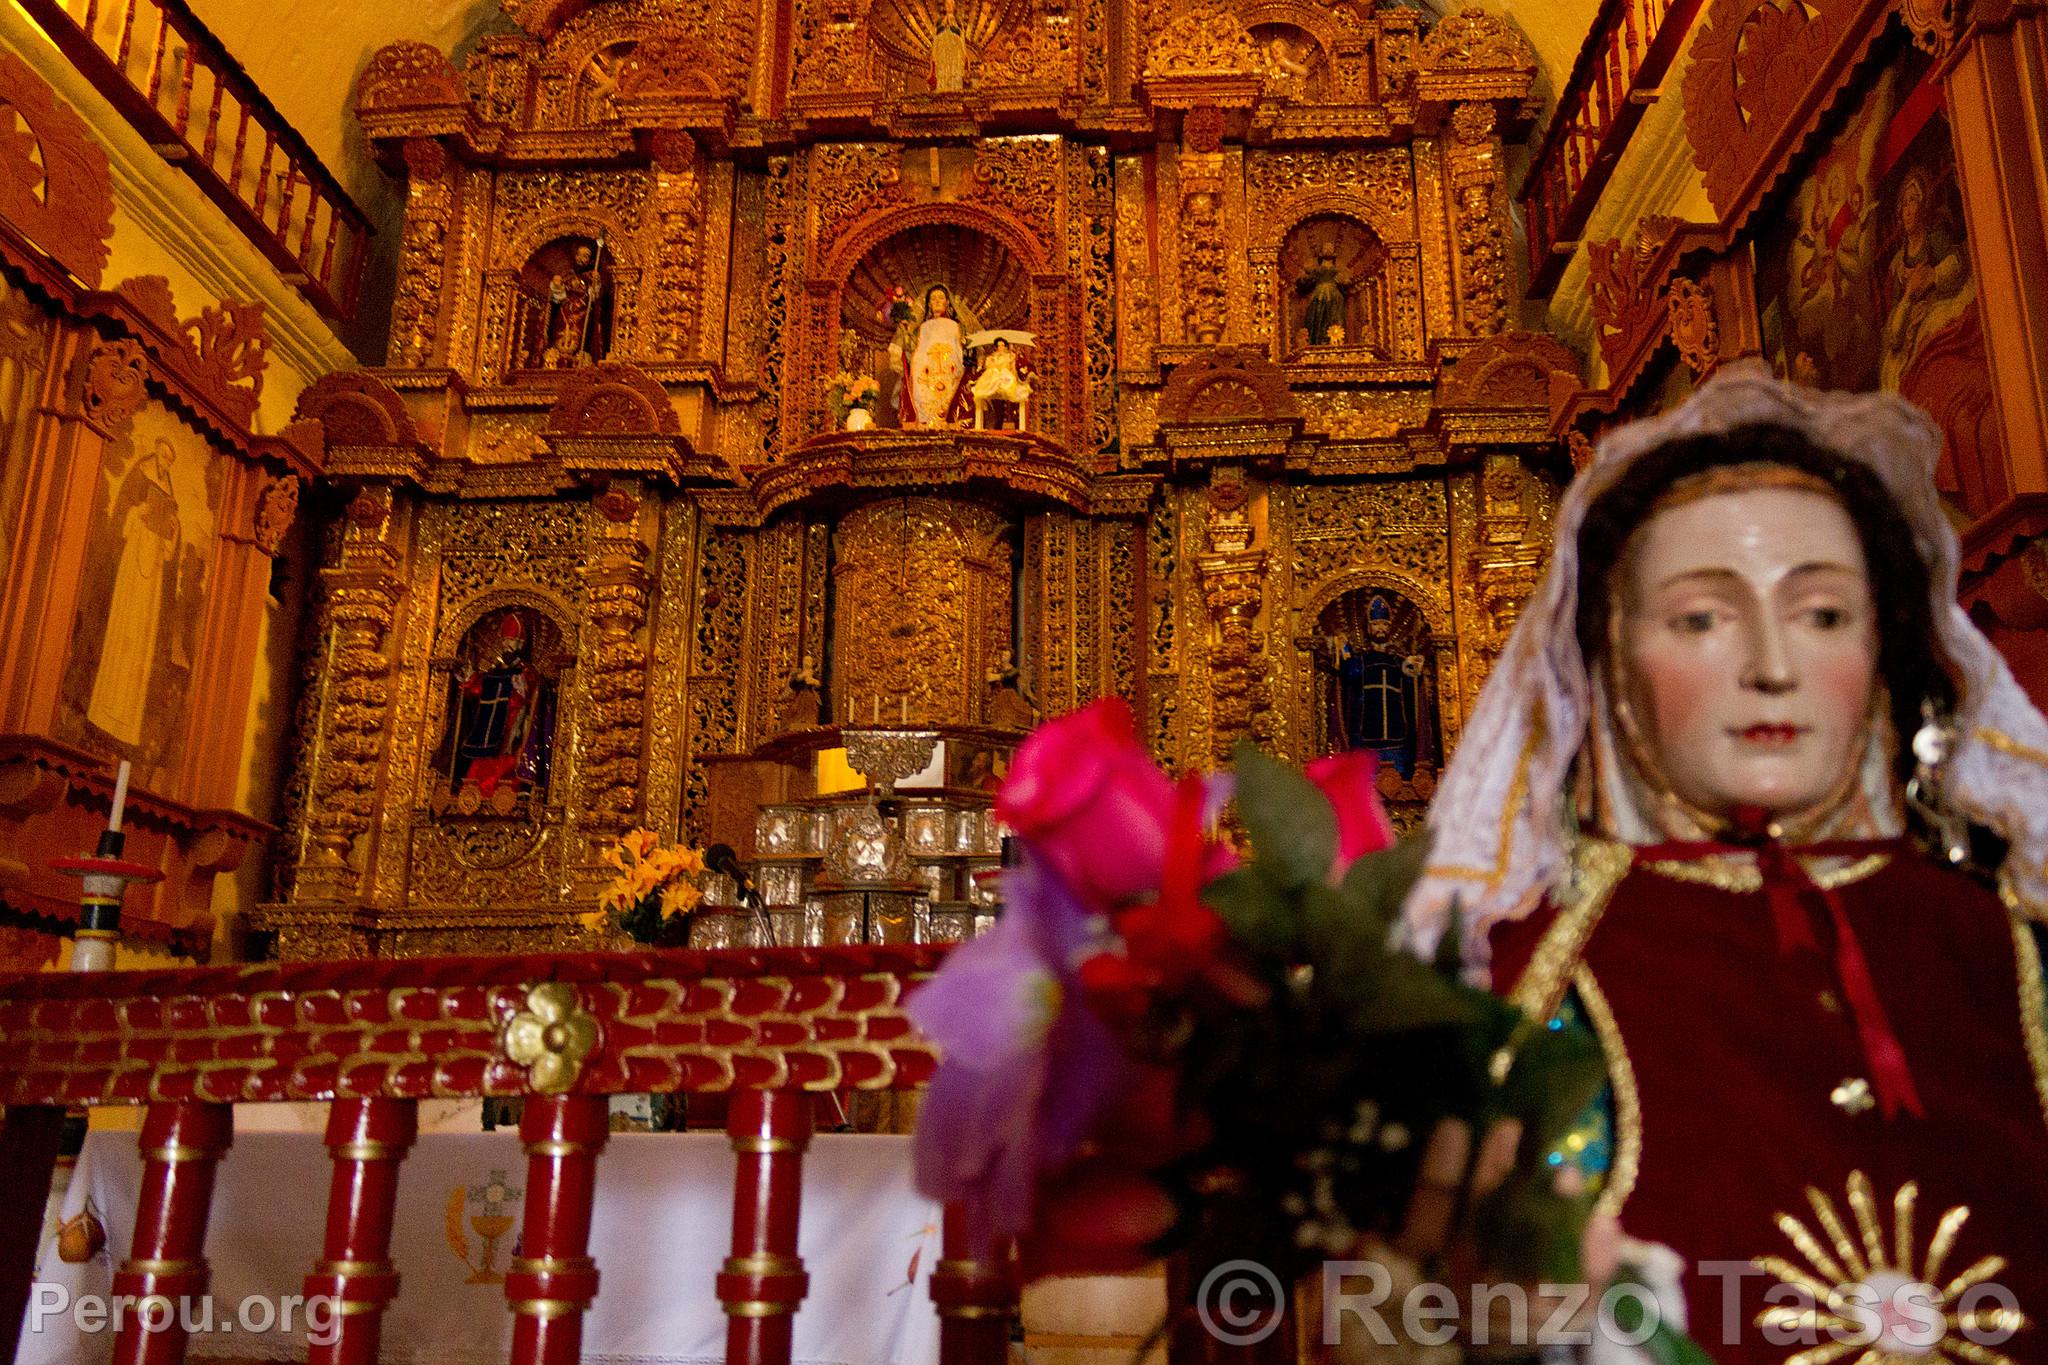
(1750, 794)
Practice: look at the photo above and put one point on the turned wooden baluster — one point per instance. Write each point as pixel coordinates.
(29, 1139)
(976, 1298)
(368, 1138)
(182, 1144)
(763, 1280)
(553, 1280)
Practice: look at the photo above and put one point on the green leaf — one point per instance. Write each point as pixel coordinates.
(1378, 883)
(1293, 828)
(1261, 916)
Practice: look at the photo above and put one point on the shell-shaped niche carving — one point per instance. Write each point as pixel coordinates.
(990, 286)
(904, 33)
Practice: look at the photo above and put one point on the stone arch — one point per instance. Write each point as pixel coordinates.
(1428, 600)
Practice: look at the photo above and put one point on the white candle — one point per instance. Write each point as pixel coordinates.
(875, 715)
(905, 718)
(120, 798)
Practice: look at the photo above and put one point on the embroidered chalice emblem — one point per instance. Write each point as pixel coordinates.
(1871, 1299)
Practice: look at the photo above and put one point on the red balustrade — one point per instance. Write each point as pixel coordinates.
(1617, 75)
(154, 60)
(769, 1028)
(182, 1144)
(368, 1139)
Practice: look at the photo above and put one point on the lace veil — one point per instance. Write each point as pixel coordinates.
(1504, 820)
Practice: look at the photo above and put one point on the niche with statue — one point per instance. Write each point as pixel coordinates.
(495, 754)
(564, 305)
(1333, 280)
(1376, 684)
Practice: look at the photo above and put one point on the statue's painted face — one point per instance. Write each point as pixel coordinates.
(1749, 638)
(937, 304)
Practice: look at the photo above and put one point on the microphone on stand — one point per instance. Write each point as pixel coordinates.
(721, 859)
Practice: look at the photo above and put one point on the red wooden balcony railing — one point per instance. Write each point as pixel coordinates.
(174, 81)
(771, 1028)
(1617, 74)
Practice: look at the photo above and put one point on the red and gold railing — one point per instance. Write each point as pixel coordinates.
(181, 90)
(1616, 76)
(770, 1028)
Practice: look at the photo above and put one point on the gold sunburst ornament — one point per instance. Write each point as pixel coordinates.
(1866, 1300)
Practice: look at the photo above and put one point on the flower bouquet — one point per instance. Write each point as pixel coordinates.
(845, 392)
(1154, 1012)
(656, 888)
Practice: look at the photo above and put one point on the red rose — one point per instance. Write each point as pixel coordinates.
(1362, 824)
(1085, 794)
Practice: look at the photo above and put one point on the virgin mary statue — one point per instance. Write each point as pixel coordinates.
(937, 363)
(1750, 794)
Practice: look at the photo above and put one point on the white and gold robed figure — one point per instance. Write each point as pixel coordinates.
(147, 514)
(938, 360)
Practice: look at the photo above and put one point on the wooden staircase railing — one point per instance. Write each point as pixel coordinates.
(172, 79)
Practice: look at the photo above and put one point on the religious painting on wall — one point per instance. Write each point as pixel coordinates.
(496, 750)
(25, 335)
(1865, 281)
(1373, 681)
(142, 600)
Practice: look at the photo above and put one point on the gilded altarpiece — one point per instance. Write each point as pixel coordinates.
(672, 477)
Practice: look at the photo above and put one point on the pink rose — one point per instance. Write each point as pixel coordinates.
(1085, 794)
(1362, 824)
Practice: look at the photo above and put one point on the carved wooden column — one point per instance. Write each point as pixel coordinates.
(363, 593)
(1479, 215)
(1232, 574)
(368, 1138)
(763, 1280)
(182, 1144)
(551, 1283)
(619, 583)
(432, 180)
(1996, 80)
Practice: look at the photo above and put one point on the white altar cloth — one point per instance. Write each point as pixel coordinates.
(663, 1224)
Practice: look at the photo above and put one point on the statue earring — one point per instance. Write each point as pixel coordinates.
(1933, 745)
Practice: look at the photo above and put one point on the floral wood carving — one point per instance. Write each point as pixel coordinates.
(1626, 309)
(222, 353)
(1512, 370)
(612, 399)
(356, 409)
(276, 507)
(1208, 40)
(54, 184)
(1753, 61)
(1244, 381)
(408, 76)
(114, 382)
(1694, 329)
(1473, 40)
(1933, 23)
(670, 64)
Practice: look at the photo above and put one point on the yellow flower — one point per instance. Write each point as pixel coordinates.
(594, 919)
(679, 898)
(639, 843)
